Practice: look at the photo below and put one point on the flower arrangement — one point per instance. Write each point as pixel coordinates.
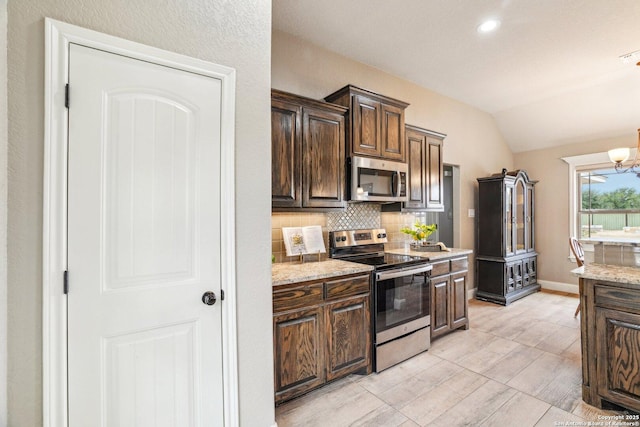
(420, 232)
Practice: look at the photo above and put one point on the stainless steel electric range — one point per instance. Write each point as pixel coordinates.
(401, 294)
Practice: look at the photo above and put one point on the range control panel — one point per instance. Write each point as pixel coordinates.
(343, 238)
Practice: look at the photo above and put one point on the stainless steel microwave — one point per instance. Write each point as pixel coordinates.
(378, 180)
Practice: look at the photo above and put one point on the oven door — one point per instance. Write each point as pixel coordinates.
(402, 302)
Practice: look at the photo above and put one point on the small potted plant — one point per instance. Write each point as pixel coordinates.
(420, 232)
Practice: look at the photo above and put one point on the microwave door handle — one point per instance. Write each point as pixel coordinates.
(393, 183)
(398, 183)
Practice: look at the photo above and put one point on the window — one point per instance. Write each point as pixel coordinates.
(608, 204)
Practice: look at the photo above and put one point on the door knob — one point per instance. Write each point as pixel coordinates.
(209, 298)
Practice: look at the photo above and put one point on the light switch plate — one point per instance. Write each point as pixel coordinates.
(472, 213)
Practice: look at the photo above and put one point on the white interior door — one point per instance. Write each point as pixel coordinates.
(143, 244)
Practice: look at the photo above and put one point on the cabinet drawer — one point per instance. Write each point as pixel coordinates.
(618, 298)
(459, 264)
(440, 268)
(347, 287)
(297, 297)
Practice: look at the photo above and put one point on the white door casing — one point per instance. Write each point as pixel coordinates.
(148, 213)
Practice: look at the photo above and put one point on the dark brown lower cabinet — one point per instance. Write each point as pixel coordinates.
(610, 321)
(299, 364)
(449, 305)
(321, 332)
(347, 326)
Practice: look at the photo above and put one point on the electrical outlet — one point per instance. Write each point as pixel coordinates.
(472, 213)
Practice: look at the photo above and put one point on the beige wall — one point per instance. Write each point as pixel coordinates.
(552, 202)
(236, 34)
(3, 212)
(473, 140)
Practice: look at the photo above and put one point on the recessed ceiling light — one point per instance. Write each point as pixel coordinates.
(488, 26)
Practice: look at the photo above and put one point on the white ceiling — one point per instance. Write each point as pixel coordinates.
(550, 75)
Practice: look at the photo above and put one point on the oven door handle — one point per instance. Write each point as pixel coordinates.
(392, 274)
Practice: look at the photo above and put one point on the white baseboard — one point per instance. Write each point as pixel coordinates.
(559, 286)
(471, 293)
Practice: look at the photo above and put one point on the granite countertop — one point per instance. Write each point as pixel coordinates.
(609, 242)
(293, 272)
(609, 273)
(432, 256)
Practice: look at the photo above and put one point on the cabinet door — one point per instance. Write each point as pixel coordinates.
(439, 305)
(416, 161)
(323, 159)
(618, 366)
(286, 134)
(348, 331)
(298, 350)
(520, 216)
(459, 305)
(366, 126)
(509, 220)
(392, 132)
(532, 270)
(434, 175)
(517, 274)
(509, 275)
(529, 220)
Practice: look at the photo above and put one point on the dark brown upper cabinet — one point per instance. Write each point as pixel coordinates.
(307, 153)
(376, 123)
(424, 158)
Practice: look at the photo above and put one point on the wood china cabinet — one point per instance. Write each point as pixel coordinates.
(321, 332)
(307, 136)
(506, 258)
(376, 123)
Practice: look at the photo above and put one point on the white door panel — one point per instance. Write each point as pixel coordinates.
(144, 244)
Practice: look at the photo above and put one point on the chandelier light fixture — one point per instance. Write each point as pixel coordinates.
(620, 155)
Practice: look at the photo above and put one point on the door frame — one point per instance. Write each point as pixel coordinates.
(58, 37)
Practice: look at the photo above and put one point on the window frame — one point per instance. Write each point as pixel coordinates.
(581, 211)
(576, 164)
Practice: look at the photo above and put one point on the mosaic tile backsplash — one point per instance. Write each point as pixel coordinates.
(357, 215)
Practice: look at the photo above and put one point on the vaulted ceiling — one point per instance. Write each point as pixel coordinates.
(551, 74)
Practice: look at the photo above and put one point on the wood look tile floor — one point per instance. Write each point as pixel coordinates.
(516, 366)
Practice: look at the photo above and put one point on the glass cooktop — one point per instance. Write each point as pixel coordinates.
(384, 261)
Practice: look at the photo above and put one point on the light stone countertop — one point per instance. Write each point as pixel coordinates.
(609, 273)
(293, 272)
(432, 256)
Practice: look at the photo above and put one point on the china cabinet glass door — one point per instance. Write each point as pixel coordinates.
(520, 216)
(508, 217)
(529, 224)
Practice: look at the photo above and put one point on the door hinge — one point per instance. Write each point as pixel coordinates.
(66, 95)
(65, 285)
(221, 295)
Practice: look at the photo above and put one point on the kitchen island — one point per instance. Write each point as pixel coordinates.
(610, 332)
